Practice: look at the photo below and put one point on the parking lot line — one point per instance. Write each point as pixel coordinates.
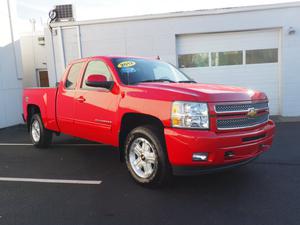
(29, 144)
(15, 144)
(56, 181)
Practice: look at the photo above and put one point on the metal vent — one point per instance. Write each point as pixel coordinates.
(64, 12)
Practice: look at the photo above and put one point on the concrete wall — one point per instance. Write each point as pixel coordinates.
(10, 74)
(156, 35)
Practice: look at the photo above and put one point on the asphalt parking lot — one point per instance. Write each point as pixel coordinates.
(265, 192)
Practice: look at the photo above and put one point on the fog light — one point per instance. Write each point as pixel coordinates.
(229, 154)
(200, 156)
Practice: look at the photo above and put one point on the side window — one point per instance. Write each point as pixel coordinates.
(96, 67)
(73, 75)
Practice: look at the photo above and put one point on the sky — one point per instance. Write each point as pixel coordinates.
(37, 10)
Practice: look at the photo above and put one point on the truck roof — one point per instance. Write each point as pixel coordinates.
(111, 57)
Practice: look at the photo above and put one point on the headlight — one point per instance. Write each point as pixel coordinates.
(190, 115)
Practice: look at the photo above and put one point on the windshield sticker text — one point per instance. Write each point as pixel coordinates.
(126, 64)
(128, 70)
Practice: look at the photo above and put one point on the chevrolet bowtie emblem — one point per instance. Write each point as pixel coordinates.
(251, 113)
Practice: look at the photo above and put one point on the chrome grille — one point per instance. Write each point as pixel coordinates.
(240, 107)
(234, 123)
(241, 115)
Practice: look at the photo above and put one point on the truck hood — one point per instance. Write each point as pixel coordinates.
(204, 92)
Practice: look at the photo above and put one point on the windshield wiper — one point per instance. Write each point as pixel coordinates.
(157, 80)
(187, 81)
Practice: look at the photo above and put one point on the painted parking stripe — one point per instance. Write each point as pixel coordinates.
(28, 144)
(55, 181)
(15, 144)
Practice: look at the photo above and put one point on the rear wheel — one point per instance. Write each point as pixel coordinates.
(146, 157)
(40, 136)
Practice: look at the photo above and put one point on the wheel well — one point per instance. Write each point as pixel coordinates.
(133, 120)
(31, 110)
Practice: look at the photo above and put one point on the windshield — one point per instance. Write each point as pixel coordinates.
(134, 70)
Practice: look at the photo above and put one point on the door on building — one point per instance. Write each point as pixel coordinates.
(248, 59)
(43, 79)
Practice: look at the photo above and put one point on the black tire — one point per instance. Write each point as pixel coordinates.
(45, 136)
(161, 169)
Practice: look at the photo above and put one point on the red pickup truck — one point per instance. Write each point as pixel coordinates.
(162, 121)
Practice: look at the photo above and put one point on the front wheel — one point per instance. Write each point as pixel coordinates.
(146, 156)
(40, 136)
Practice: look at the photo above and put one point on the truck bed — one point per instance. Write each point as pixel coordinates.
(45, 99)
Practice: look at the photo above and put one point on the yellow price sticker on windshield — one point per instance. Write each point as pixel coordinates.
(126, 64)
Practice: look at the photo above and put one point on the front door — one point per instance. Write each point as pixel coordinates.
(95, 107)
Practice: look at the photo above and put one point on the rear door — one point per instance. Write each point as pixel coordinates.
(65, 99)
(95, 107)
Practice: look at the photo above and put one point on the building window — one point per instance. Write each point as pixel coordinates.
(193, 60)
(262, 56)
(227, 58)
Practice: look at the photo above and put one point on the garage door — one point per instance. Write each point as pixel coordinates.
(248, 59)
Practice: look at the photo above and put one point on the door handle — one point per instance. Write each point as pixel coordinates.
(80, 99)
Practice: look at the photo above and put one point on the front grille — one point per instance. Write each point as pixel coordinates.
(234, 123)
(240, 107)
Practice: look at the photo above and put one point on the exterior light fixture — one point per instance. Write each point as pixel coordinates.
(291, 31)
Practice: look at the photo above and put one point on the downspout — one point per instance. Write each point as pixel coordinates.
(18, 75)
(54, 57)
(79, 41)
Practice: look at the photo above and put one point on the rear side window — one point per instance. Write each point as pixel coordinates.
(96, 67)
(73, 75)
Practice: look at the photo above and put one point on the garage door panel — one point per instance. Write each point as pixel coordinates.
(262, 76)
(251, 78)
(192, 43)
(70, 44)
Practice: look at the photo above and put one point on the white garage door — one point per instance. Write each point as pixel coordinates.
(248, 59)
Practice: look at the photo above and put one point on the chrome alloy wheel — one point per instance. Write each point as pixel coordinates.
(36, 131)
(143, 158)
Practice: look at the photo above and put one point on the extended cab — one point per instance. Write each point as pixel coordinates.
(162, 121)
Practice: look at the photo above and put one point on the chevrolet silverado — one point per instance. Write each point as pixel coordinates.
(162, 121)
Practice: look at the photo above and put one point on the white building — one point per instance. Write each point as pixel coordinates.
(255, 47)
(10, 71)
(34, 60)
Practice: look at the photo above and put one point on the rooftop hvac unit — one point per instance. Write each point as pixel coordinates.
(64, 13)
